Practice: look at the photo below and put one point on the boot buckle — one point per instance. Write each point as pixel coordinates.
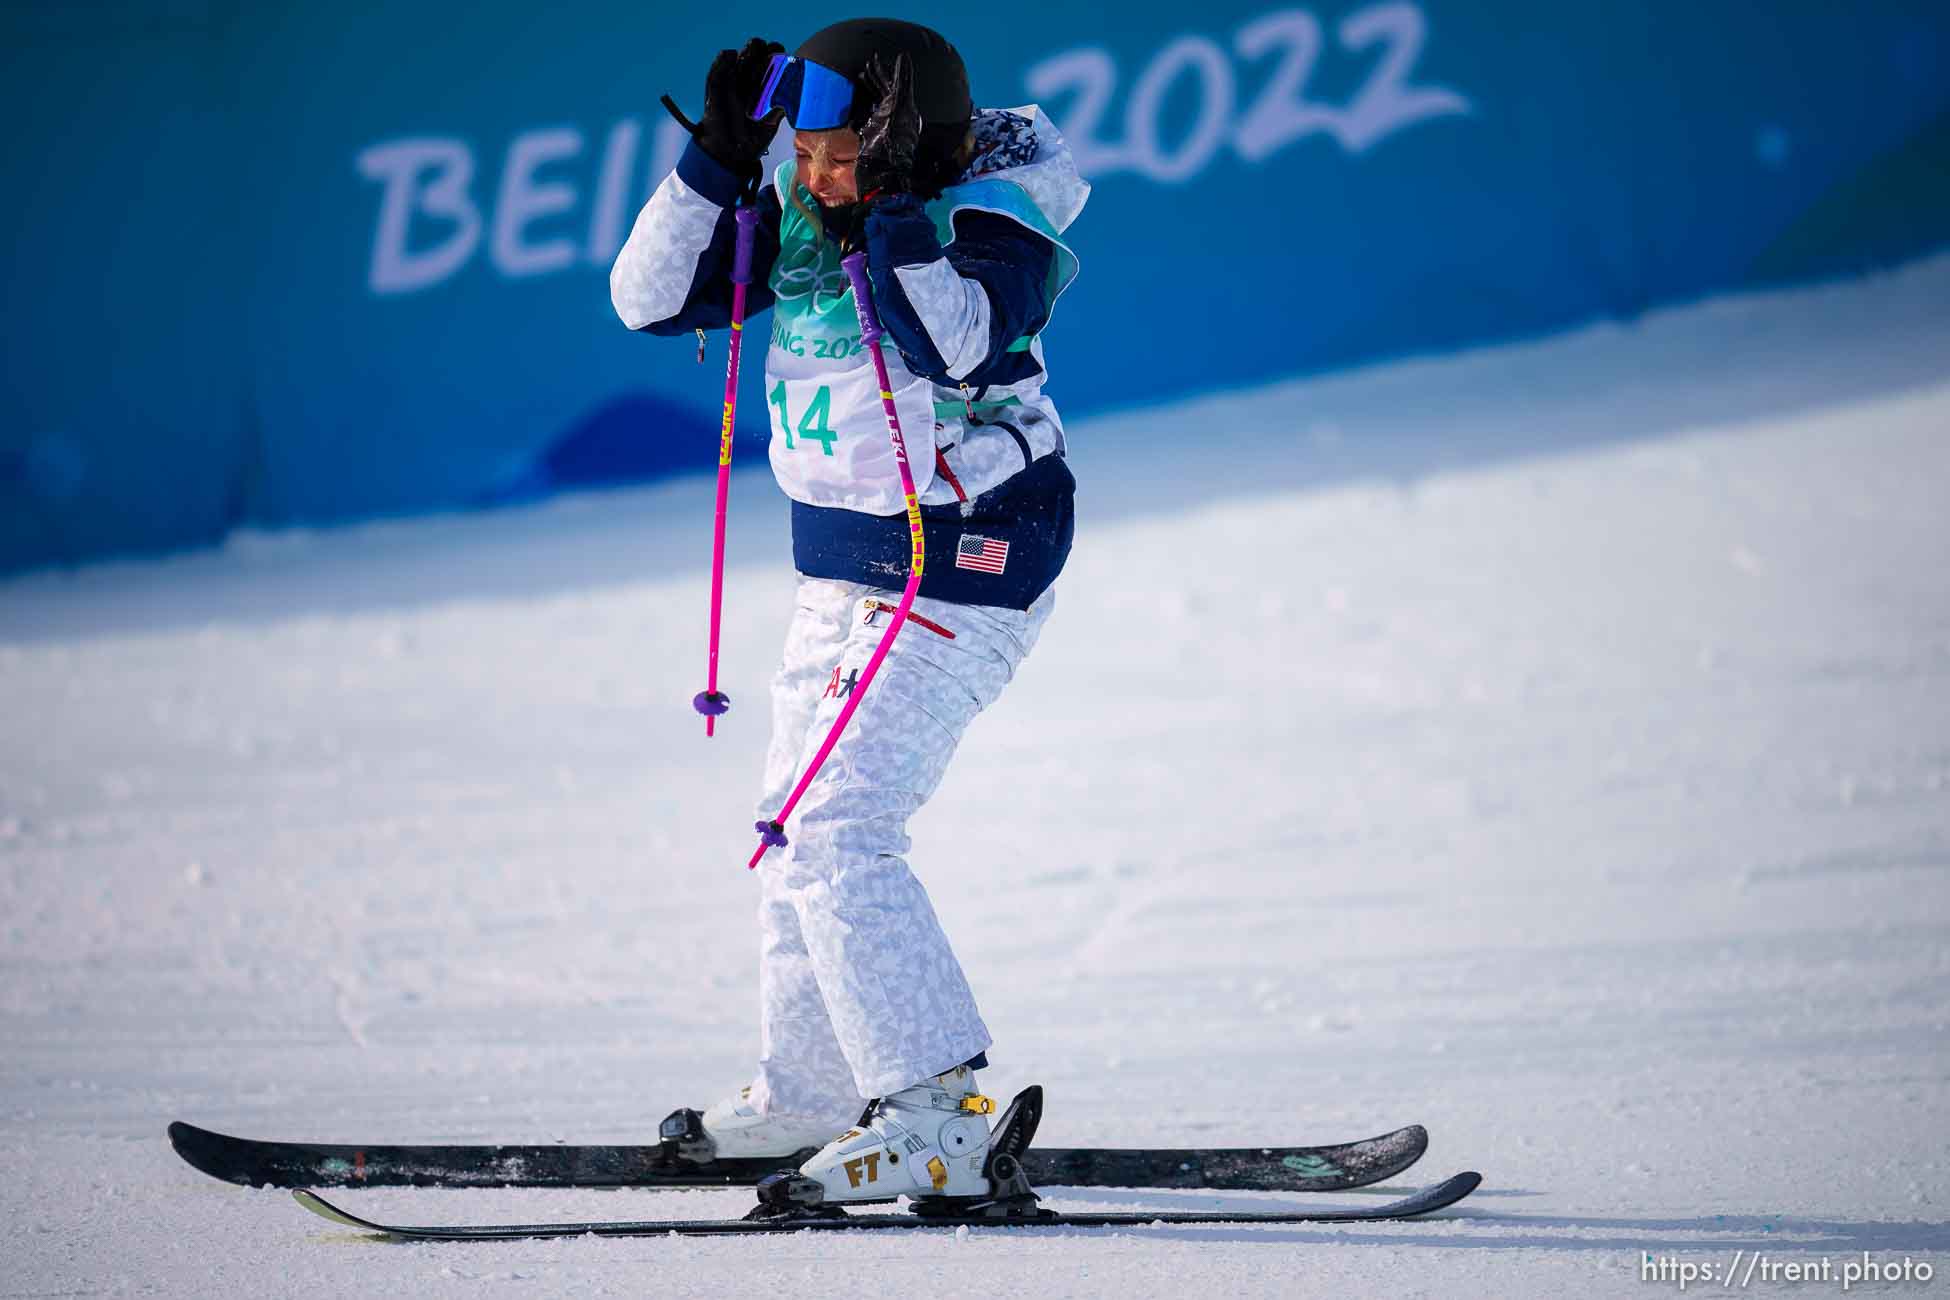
(979, 1104)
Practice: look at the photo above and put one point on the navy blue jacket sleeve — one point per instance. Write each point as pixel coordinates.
(1010, 262)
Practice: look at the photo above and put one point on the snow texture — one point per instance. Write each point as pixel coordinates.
(1549, 744)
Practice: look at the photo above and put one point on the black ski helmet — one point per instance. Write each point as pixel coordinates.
(940, 84)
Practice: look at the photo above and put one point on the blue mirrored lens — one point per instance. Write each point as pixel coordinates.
(814, 98)
(825, 99)
(775, 73)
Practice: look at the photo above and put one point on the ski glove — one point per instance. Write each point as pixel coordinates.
(726, 130)
(892, 132)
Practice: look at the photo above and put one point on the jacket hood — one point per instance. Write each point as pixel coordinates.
(1022, 145)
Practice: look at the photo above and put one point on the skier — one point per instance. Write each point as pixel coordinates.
(870, 1036)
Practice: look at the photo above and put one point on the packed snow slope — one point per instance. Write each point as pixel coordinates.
(1550, 745)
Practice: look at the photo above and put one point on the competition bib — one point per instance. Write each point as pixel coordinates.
(829, 438)
(830, 445)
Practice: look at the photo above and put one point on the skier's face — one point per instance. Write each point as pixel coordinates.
(826, 161)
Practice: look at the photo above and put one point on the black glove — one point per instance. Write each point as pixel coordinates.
(726, 130)
(892, 134)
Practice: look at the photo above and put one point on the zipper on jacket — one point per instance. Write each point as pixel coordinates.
(948, 475)
(875, 608)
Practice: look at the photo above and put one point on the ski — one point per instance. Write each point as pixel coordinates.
(1426, 1201)
(254, 1163)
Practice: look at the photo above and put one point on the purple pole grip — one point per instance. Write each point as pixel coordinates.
(855, 266)
(741, 260)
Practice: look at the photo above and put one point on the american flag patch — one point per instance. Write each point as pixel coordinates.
(985, 554)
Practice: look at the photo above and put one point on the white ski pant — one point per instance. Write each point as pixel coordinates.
(860, 994)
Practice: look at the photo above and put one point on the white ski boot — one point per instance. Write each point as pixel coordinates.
(734, 1130)
(929, 1143)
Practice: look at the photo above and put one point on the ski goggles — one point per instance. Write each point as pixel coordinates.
(814, 98)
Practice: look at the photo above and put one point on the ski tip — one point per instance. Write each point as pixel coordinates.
(324, 1209)
(195, 1145)
(1436, 1196)
(1411, 1139)
(184, 1135)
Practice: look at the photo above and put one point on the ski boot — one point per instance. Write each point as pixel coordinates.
(733, 1129)
(930, 1143)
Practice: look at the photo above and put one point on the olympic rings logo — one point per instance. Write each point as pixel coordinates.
(826, 289)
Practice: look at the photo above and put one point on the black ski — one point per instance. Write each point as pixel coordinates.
(1423, 1202)
(254, 1163)
(303, 1164)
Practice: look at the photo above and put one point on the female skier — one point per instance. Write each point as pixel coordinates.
(959, 213)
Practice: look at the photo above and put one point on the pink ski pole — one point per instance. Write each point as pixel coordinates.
(772, 833)
(711, 701)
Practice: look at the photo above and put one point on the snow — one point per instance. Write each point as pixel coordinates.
(1549, 744)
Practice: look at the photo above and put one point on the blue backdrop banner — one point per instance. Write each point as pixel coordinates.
(305, 262)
